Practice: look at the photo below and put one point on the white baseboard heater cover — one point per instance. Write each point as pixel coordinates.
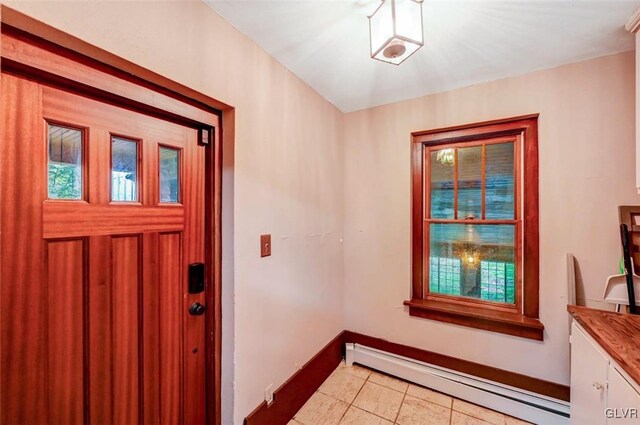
(526, 405)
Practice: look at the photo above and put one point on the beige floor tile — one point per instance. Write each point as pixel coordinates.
(342, 385)
(379, 396)
(458, 418)
(388, 381)
(515, 421)
(355, 370)
(321, 409)
(430, 395)
(379, 400)
(478, 412)
(420, 412)
(355, 416)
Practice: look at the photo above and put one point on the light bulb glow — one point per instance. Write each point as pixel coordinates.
(446, 156)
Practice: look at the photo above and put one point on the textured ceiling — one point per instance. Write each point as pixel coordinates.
(326, 43)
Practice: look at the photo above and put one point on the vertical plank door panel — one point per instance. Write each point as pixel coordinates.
(24, 377)
(171, 313)
(65, 289)
(125, 307)
(151, 329)
(100, 331)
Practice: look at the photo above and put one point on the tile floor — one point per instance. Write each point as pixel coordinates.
(354, 395)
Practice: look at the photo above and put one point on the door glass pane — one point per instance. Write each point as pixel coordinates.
(500, 181)
(169, 175)
(65, 163)
(441, 168)
(124, 170)
(470, 183)
(473, 260)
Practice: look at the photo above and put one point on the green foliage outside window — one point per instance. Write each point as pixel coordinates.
(64, 181)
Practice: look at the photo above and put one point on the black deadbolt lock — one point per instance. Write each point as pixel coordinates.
(196, 309)
(196, 278)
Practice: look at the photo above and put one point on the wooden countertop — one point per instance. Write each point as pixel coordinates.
(618, 334)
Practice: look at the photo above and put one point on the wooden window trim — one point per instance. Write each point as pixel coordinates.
(523, 320)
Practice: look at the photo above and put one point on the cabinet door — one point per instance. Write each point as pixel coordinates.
(623, 401)
(588, 380)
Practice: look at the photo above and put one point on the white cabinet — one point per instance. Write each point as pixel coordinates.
(588, 380)
(601, 393)
(623, 404)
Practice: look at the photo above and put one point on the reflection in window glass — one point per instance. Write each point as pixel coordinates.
(65, 163)
(169, 170)
(470, 183)
(500, 181)
(124, 170)
(442, 192)
(473, 260)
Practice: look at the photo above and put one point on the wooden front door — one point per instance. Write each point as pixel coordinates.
(103, 211)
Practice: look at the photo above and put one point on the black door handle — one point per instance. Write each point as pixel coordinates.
(196, 309)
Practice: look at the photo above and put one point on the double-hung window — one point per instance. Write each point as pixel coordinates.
(475, 226)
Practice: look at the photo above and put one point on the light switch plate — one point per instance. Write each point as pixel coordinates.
(265, 245)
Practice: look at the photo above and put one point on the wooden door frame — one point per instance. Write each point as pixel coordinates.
(45, 54)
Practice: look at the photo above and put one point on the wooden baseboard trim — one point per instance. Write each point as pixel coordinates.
(294, 393)
(539, 386)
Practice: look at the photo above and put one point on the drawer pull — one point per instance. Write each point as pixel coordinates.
(598, 386)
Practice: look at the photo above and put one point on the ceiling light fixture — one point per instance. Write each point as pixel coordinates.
(446, 156)
(395, 30)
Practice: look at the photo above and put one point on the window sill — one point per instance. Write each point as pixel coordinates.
(480, 318)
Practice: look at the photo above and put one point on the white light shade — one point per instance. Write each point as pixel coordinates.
(395, 30)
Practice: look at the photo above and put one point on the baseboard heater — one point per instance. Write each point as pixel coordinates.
(526, 405)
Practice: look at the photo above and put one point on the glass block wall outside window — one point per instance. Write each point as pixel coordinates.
(444, 275)
(497, 281)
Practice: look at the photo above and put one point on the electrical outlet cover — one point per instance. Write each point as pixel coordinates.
(268, 394)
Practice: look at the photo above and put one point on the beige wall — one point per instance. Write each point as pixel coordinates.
(287, 180)
(303, 172)
(637, 36)
(586, 170)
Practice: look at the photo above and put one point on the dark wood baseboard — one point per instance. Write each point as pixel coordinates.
(294, 393)
(529, 383)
